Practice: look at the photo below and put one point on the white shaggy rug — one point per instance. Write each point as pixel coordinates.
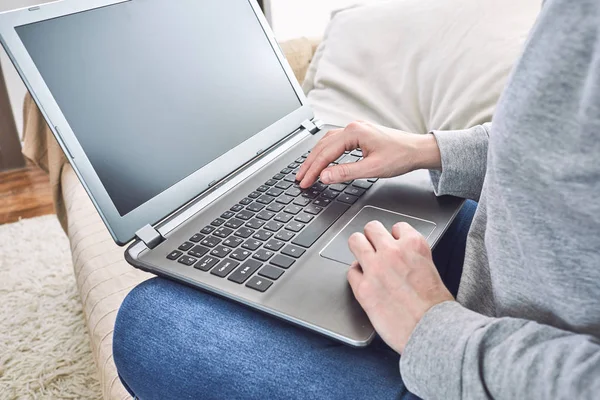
(44, 346)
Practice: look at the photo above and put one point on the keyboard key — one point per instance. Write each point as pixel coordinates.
(294, 226)
(294, 192)
(304, 218)
(186, 246)
(263, 255)
(286, 171)
(218, 222)
(316, 229)
(362, 184)
(357, 153)
(347, 198)
(274, 244)
(329, 194)
(210, 241)
(246, 201)
(271, 272)
(337, 187)
(206, 263)
(271, 182)
(313, 209)
(245, 215)
(283, 185)
(300, 160)
(227, 214)
(254, 195)
(244, 271)
(207, 230)
(372, 180)
(187, 260)
(259, 284)
(252, 244)
(198, 251)
(265, 199)
(234, 223)
(348, 159)
(262, 235)
(285, 199)
(262, 188)
(282, 261)
(240, 254)
(290, 178)
(237, 207)
(293, 165)
(305, 155)
(273, 226)
(274, 192)
(283, 217)
(223, 232)
(233, 242)
(275, 207)
(221, 251)
(175, 254)
(354, 191)
(255, 207)
(196, 238)
(292, 209)
(293, 251)
(285, 235)
(265, 215)
(322, 202)
(319, 186)
(311, 194)
(255, 223)
(244, 232)
(278, 176)
(301, 201)
(224, 268)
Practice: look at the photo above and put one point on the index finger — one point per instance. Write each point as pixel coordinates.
(316, 150)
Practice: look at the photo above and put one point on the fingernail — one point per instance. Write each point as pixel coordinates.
(326, 176)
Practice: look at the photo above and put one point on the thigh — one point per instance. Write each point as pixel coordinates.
(172, 341)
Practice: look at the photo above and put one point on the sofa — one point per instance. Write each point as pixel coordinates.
(414, 65)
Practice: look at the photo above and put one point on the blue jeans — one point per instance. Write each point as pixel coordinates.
(174, 342)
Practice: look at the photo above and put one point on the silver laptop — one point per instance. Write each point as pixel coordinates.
(186, 126)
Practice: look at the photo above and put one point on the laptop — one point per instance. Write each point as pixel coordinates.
(186, 126)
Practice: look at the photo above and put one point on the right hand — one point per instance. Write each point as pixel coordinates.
(387, 153)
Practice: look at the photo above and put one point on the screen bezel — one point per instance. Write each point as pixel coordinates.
(123, 228)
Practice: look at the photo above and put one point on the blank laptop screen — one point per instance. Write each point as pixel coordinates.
(156, 89)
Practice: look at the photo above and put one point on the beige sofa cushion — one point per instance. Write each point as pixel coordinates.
(418, 65)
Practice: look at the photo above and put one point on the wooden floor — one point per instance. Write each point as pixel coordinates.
(24, 193)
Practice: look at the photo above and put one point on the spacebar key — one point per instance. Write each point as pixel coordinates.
(315, 230)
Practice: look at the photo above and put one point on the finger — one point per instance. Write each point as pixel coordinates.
(365, 168)
(403, 229)
(361, 248)
(355, 276)
(396, 230)
(311, 156)
(377, 235)
(334, 149)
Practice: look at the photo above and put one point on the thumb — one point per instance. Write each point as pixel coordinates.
(346, 172)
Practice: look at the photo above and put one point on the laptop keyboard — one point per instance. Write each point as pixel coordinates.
(258, 239)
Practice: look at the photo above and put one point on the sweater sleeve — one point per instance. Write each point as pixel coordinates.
(455, 353)
(464, 162)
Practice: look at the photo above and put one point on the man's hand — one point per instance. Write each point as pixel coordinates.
(387, 153)
(394, 280)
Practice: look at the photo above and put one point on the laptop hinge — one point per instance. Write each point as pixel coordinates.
(310, 126)
(150, 236)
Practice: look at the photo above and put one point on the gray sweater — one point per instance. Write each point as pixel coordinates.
(527, 321)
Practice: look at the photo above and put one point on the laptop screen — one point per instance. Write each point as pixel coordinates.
(156, 89)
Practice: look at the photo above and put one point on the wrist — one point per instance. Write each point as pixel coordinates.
(427, 153)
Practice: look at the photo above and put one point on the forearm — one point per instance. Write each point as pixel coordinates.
(455, 353)
(462, 156)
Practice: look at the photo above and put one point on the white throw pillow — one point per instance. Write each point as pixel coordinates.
(418, 65)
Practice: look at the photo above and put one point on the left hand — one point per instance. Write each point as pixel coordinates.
(394, 280)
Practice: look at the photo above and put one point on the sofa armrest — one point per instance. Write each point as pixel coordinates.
(41, 147)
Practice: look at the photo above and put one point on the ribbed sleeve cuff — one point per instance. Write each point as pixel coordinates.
(431, 363)
(464, 162)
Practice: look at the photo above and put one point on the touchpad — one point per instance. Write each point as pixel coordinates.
(338, 250)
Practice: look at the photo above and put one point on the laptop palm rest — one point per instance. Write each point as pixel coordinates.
(337, 249)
